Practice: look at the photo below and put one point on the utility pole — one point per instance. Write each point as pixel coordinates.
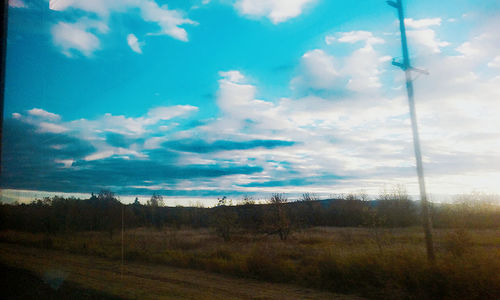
(121, 269)
(406, 66)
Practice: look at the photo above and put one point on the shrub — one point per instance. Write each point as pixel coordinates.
(457, 242)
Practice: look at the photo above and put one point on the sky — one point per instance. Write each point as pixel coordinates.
(205, 98)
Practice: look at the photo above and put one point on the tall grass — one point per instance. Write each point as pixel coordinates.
(389, 265)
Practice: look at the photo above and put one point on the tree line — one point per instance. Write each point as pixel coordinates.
(104, 212)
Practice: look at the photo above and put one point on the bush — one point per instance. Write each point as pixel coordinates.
(457, 242)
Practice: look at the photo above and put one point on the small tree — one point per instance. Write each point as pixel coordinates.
(397, 208)
(224, 218)
(154, 203)
(280, 220)
(156, 200)
(249, 214)
(108, 211)
(375, 222)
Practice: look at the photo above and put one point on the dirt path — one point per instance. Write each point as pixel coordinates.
(146, 281)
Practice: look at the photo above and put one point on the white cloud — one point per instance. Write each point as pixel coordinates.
(468, 50)
(422, 23)
(127, 125)
(142, 127)
(277, 11)
(365, 134)
(358, 72)
(134, 44)
(43, 120)
(363, 68)
(66, 163)
(17, 4)
(236, 98)
(330, 39)
(495, 63)
(234, 76)
(79, 36)
(95, 131)
(318, 71)
(423, 37)
(99, 7)
(168, 20)
(38, 112)
(168, 112)
(99, 155)
(51, 127)
(154, 142)
(426, 40)
(359, 36)
(239, 108)
(482, 47)
(322, 129)
(368, 135)
(76, 36)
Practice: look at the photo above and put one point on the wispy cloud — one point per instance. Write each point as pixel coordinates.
(133, 43)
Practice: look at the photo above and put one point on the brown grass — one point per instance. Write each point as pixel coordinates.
(90, 277)
(388, 264)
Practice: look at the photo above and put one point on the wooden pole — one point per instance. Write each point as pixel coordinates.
(406, 66)
(122, 243)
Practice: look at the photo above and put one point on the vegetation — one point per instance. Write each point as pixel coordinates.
(347, 244)
(102, 212)
(346, 260)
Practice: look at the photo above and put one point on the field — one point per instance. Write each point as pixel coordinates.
(369, 262)
(53, 274)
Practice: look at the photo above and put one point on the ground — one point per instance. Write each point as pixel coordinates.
(53, 274)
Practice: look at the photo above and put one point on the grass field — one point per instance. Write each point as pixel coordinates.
(54, 274)
(375, 263)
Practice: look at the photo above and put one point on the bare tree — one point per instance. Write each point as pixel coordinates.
(309, 197)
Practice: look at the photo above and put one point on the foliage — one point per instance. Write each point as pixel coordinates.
(224, 218)
(103, 212)
(278, 219)
(319, 257)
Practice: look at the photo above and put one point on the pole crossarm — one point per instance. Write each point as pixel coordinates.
(405, 67)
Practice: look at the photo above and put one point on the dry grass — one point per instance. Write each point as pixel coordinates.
(106, 279)
(389, 263)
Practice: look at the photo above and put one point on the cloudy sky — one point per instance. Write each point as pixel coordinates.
(200, 98)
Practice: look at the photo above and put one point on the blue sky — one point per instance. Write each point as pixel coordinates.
(203, 98)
